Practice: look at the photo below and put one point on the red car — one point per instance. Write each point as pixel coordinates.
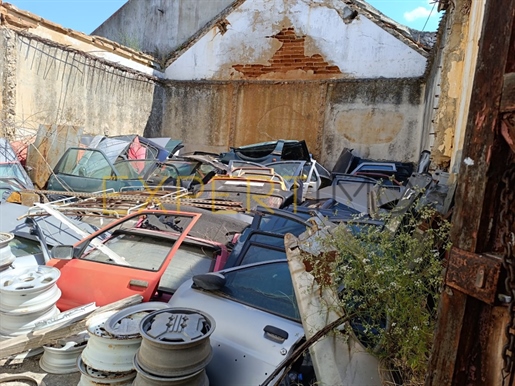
(147, 253)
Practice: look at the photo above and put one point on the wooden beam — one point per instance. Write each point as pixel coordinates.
(52, 334)
(447, 337)
(482, 126)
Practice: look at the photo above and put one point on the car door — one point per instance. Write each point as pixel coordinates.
(130, 261)
(257, 321)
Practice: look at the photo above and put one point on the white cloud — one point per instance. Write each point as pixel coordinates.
(418, 13)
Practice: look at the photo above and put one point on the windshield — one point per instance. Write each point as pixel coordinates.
(288, 170)
(281, 225)
(185, 168)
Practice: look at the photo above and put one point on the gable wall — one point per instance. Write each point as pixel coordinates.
(294, 69)
(253, 34)
(159, 26)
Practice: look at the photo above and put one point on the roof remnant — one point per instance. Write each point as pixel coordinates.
(421, 42)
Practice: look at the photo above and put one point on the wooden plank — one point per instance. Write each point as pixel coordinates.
(447, 338)
(51, 334)
(473, 274)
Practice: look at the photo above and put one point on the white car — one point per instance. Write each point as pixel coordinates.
(257, 321)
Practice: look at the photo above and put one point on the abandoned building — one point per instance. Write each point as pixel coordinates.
(336, 73)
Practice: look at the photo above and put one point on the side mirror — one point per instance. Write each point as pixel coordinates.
(63, 252)
(209, 281)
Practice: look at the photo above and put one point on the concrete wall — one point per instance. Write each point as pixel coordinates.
(159, 26)
(8, 81)
(57, 85)
(378, 118)
(292, 39)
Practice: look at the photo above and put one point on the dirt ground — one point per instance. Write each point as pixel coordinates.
(30, 366)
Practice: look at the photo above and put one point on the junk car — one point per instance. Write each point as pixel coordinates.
(149, 253)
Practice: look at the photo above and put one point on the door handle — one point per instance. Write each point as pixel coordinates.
(138, 283)
(275, 334)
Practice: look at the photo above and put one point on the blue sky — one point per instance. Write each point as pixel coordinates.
(86, 15)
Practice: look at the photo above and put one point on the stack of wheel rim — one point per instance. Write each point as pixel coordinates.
(6, 255)
(114, 339)
(175, 348)
(61, 357)
(27, 296)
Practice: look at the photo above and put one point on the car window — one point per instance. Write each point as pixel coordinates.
(163, 172)
(234, 164)
(257, 254)
(188, 261)
(140, 251)
(267, 287)
(322, 171)
(85, 163)
(306, 170)
(23, 247)
(288, 170)
(375, 167)
(281, 225)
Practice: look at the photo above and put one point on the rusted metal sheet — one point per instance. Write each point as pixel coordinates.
(336, 361)
(473, 274)
(50, 144)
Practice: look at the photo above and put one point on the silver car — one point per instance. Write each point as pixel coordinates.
(257, 320)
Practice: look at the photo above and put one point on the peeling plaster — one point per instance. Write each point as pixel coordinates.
(448, 140)
(458, 68)
(455, 74)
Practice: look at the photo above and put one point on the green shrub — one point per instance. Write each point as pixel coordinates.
(391, 282)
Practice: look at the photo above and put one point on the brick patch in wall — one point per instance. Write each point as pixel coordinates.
(289, 57)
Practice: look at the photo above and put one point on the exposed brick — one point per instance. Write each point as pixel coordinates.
(290, 56)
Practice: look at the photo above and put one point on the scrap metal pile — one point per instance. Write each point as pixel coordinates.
(129, 217)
